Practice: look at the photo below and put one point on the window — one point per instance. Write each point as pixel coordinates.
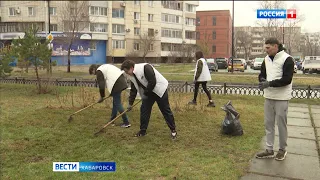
(53, 27)
(117, 13)
(190, 35)
(169, 18)
(150, 17)
(214, 35)
(213, 49)
(96, 27)
(136, 46)
(150, 32)
(12, 11)
(93, 45)
(171, 5)
(214, 21)
(117, 28)
(98, 11)
(30, 11)
(136, 2)
(171, 33)
(136, 31)
(150, 3)
(190, 21)
(118, 44)
(190, 8)
(198, 35)
(136, 15)
(151, 47)
(198, 21)
(53, 11)
(73, 11)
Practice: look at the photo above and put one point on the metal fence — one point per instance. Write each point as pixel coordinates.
(307, 92)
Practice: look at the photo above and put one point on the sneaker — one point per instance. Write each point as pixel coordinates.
(193, 102)
(281, 155)
(174, 134)
(211, 104)
(125, 125)
(265, 154)
(140, 133)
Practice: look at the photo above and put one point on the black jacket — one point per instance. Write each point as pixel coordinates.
(288, 68)
(151, 78)
(120, 85)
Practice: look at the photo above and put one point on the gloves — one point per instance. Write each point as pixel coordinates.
(263, 79)
(101, 100)
(263, 85)
(129, 108)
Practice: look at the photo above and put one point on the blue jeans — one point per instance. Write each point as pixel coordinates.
(117, 107)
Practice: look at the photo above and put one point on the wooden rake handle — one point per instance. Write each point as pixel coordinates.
(88, 106)
(110, 122)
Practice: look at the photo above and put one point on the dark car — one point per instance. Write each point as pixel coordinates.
(212, 64)
(222, 63)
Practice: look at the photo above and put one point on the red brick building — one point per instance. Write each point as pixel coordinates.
(214, 33)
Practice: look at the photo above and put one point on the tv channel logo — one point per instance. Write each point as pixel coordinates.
(84, 166)
(276, 13)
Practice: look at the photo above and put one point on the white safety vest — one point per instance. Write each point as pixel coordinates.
(111, 74)
(274, 70)
(161, 82)
(205, 74)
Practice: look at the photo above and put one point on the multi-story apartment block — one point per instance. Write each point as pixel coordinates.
(214, 30)
(254, 38)
(113, 29)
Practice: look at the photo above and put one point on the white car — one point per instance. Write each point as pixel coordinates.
(257, 63)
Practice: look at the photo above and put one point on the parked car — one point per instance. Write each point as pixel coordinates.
(222, 63)
(244, 64)
(238, 65)
(299, 64)
(257, 63)
(212, 65)
(311, 66)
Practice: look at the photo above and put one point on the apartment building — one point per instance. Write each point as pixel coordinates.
(214, 31)
(113, 29)
(254, 38)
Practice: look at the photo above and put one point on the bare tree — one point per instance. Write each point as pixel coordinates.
(204, 43)
(146, 42)
(75, 19)
(243, 41)
(310, 47)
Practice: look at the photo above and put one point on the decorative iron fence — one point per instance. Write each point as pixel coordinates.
(180, 86)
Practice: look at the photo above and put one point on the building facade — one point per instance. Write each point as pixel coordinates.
(214, 33)
(111, 30)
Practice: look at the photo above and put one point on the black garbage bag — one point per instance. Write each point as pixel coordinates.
(231, 123)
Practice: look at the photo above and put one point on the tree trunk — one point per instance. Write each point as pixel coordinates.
(69, 60)
(38, 78)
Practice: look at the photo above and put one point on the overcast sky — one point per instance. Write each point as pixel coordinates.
(246, 15)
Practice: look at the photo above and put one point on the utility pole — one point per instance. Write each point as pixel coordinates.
(50, 62)
(232, 36)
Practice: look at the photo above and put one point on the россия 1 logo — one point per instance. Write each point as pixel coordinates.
(276, 13)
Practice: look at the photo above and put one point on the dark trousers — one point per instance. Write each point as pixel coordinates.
(204, 86)
(164, 106)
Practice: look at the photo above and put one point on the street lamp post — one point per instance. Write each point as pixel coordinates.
(232, 36)
(50, 62)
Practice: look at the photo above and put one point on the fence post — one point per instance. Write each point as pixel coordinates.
(309, 92)
(186, 86)
(96, 83)
(24, 81)
(75, 82)
(16, 80)
(224, 88)
(56, 82)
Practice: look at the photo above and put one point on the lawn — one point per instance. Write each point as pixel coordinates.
(36, 132)
(178, 72)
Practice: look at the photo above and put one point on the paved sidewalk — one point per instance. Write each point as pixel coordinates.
(302, 160)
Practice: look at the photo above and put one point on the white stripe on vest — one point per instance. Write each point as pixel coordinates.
(205, 73)
(161, 82)
(274, 70)
(111, 74)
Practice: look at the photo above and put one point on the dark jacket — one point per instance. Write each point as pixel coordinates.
(120, 85)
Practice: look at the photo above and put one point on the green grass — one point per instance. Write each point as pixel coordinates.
(181, 73)
(36, 132)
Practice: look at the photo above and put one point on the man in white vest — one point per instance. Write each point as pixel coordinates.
(201, 76)
(276, 81)
(152, 87)
(112, 78)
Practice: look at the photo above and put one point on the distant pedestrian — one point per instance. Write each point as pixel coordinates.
(201, 76)
(276, 81)
(111, 77)
(152, 87)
